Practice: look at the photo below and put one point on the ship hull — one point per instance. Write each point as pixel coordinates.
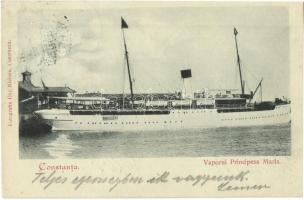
(175, 119)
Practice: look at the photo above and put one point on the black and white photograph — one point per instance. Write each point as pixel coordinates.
(154, 81)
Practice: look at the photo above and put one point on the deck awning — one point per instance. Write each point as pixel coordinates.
(29, 87)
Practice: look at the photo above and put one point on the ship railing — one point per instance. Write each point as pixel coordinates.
(71, 106)
(116, 106)
(230, 106)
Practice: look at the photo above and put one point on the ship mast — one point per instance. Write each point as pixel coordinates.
(238, 60)
(124, 25)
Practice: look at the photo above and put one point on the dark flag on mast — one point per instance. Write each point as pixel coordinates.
(235, 31)
(186, 73)
(123, 23)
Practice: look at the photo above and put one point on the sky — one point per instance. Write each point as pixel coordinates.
(84, 50)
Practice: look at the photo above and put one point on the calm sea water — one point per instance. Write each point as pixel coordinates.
(253, 141)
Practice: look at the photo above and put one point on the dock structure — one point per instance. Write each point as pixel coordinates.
(31, 96)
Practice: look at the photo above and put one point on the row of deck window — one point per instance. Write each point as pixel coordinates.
(152, 122)
(268, 116)
(156, 122)
(197, 111)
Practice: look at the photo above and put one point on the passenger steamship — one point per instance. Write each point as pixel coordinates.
(206, 109)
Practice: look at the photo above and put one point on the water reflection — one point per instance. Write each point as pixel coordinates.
(61, 147)
(255, 141)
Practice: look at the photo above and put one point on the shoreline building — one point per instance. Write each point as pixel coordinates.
(32, 97)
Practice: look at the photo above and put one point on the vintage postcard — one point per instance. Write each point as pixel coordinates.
(152, 99)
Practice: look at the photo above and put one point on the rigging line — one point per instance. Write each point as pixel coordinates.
(251, 76)
(41, 75)
(191, 88)
(156, 80)
(124, 76)
(151, 75)
(236, 80)
(248, 86)
(250, 72)
(124, 80)
(246, 78)
(129, 72)
(52, 76)
(132, 71)
(244, 75)
(159, 84)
